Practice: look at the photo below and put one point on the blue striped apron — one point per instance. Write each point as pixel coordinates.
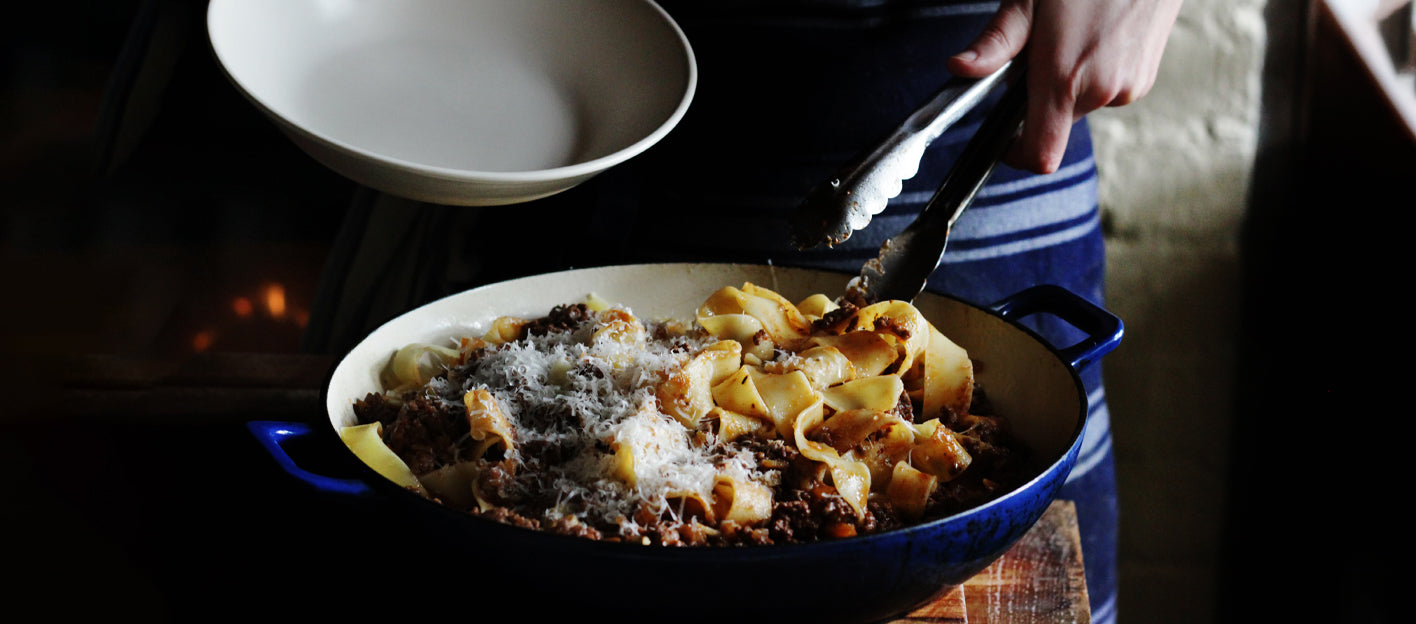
(791, 89)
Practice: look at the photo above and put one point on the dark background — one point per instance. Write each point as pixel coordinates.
(141, 198)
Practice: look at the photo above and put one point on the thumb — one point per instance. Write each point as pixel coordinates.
(1001, 40)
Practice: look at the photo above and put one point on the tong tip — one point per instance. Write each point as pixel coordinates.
(809, 233)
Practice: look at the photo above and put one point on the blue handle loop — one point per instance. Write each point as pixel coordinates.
(274, 435)
(1103, 329)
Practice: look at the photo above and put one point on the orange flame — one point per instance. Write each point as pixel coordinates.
(202, 341)
(242, 306)
(275, 300)
(271, 301)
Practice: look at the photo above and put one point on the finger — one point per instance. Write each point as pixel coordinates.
(1001, 40)
(1046, 128)
(1038, 151)
(1109, 85)
(1139, 83)
(1128, 95)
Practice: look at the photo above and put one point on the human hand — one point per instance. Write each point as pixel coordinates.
(1081, 55)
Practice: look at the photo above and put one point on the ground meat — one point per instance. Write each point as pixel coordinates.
(815, 514)
(889, 324)
(538, 453)
(425, 434)
(376, 408)
(667, 535)
(694, 534)
(834, 321)
(883, 518)
(761, 338)
(570, 525)
(828, 504)
(905, 408)
(497, 481)
(752, 536)
(998, 466)
(506, 516)
(561, 318)
(790, 518)
(960, 494)
(771, 454)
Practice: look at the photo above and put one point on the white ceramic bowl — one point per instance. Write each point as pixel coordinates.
(460, 102)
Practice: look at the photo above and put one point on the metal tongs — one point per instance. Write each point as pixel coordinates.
(862, 188)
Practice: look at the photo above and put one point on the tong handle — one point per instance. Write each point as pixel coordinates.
(907, 259)
(978, 160)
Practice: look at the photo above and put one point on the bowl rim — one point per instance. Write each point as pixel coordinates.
(563, 172)
(1058, 468)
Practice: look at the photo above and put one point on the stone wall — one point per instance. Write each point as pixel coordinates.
(1175, 174)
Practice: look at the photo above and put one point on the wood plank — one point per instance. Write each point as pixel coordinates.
(947, 609)
(1041, 579)
(233, 387)
(216, 370)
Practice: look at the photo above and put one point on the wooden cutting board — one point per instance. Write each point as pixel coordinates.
(1039, 580)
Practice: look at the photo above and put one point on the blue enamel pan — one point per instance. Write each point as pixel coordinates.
(858, 579)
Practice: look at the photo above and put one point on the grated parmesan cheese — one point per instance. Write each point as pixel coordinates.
(576, 397)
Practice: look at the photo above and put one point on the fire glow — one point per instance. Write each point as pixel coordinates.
(268, 305)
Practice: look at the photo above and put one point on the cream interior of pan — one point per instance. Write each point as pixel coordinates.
(1024, 378)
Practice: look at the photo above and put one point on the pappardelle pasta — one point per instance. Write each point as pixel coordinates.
(761, 421)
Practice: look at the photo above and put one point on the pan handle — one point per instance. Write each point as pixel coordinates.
(274, 436)
(1103, 329)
